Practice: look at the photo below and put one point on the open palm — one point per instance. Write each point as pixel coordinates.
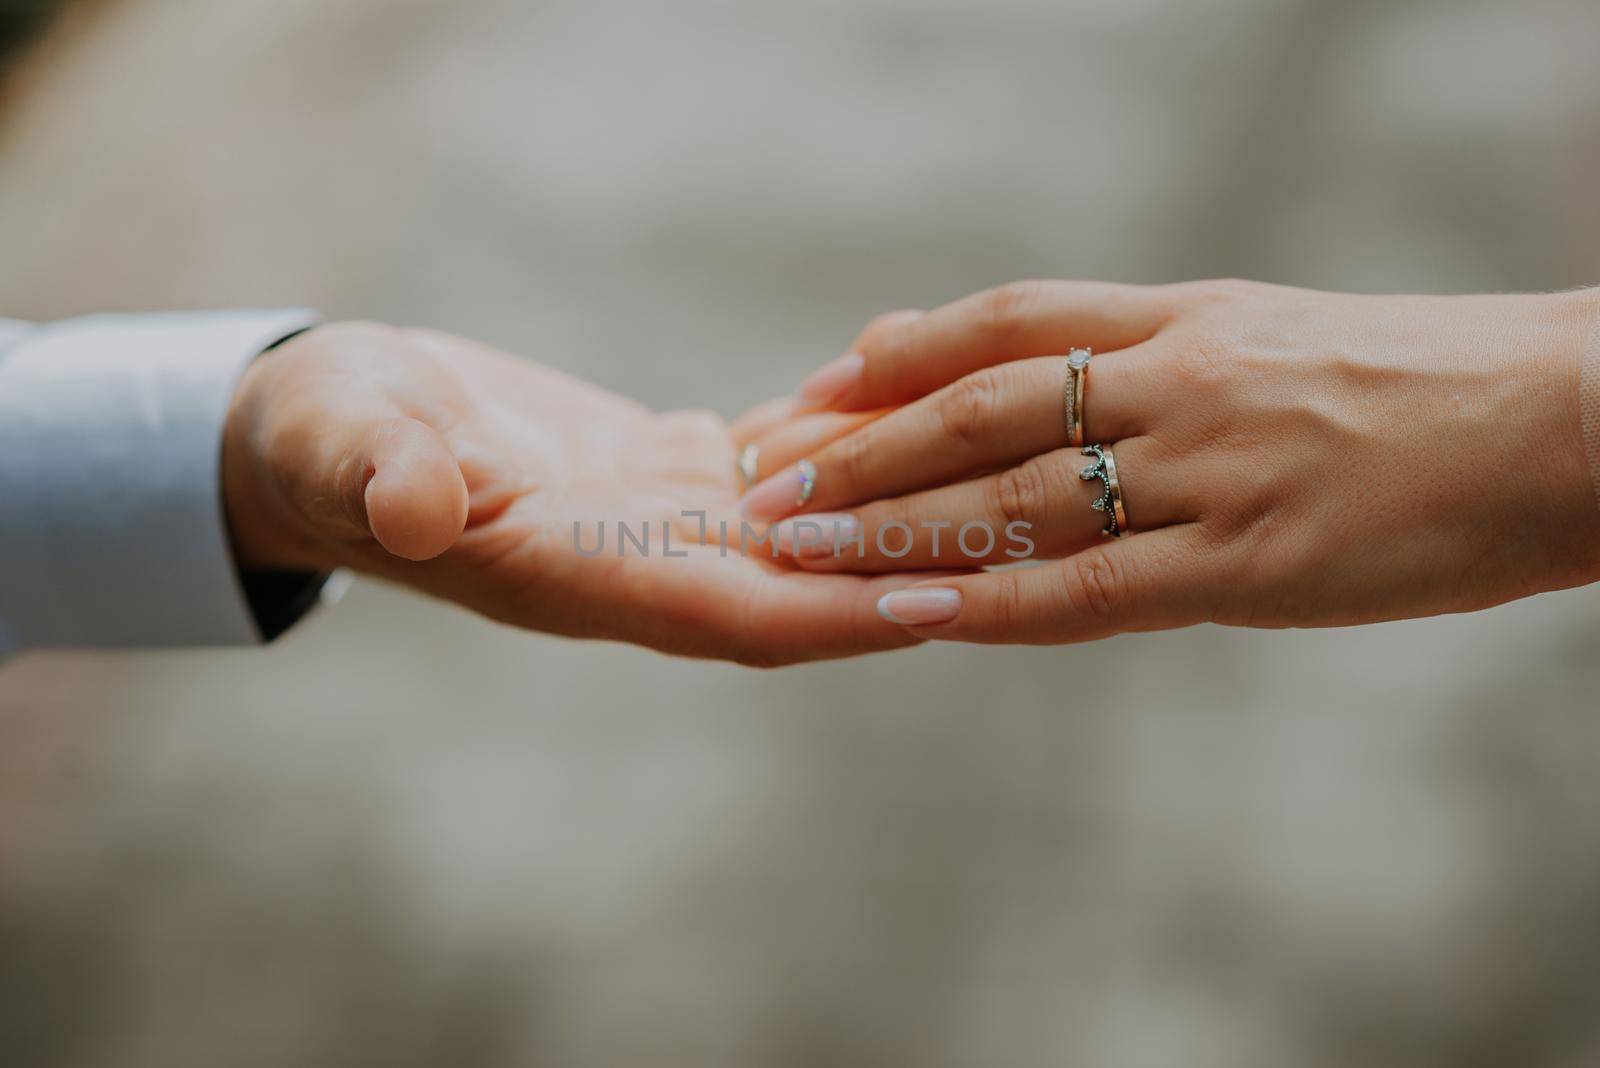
(490, 481)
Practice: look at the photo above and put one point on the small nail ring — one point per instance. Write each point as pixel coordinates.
(808, 481)
(749, 459)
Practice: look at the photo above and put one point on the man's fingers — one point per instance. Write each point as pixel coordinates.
(398, 481)
(1146, 581)
(908, 355)
(705, 604)
(756, 421)
(804, 435)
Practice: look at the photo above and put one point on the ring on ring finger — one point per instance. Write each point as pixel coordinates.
(1077, 386)
(1104, 468)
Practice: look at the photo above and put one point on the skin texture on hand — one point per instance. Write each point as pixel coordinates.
(1589, 406)
(1287, 457)
(457, 470)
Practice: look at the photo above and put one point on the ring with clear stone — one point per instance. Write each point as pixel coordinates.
(1072, 401)
(1104, 468)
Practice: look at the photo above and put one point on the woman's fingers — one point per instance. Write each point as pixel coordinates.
(906, 355)
(988, 420)
(1040, 508)
(833, 379)
(1147, 581)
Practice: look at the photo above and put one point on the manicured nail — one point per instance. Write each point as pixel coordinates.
(913, 608)
(830, 381)
(815, 535)
(781, 494)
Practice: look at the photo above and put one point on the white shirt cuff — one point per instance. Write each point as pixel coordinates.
(112, 530)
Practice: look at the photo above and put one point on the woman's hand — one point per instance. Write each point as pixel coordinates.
(461, 471)
(1287, 457)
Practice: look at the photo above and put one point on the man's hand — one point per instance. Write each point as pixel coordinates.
(461, 471)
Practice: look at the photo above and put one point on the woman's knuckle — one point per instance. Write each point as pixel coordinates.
(851, 458)
(1006, 606)
(1096, 586)
(967, 409)
(1205, 358)
(1004, 309)
(887, 324)
(878, 325)
(1020, 493)
(1214, 290)
(889, 338)
(1242, 520)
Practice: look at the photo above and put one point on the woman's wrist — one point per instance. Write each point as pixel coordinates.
(1589, 387)
(1570, 378)
(1533, 348)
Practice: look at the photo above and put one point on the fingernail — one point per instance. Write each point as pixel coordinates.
(919, 607)
(815, 535)
(830, 381)
(781, 494)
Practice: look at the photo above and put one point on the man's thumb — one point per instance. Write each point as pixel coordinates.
(400, 481)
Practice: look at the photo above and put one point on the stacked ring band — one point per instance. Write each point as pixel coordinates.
(1104, 468)
(1072, 402)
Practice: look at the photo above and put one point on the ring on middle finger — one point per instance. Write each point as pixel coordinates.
(1072, 400)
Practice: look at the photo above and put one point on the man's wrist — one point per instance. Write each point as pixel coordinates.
(111, 514)
(265, 533)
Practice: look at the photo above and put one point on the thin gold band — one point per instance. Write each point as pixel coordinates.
(1077, 384)
(1114, 491)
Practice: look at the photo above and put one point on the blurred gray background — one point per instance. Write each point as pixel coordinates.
(404, 836)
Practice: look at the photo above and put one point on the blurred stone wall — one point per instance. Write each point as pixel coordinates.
(404, 836)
